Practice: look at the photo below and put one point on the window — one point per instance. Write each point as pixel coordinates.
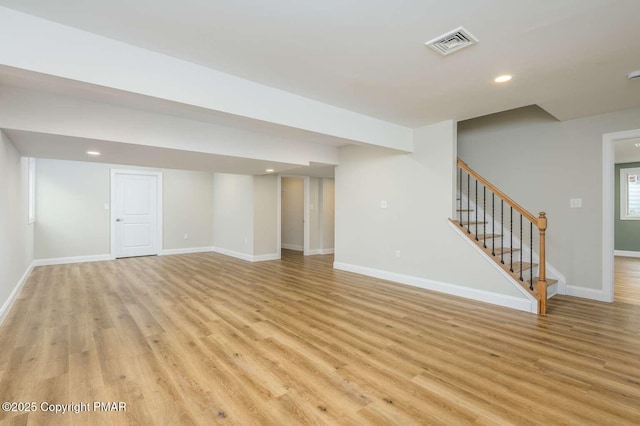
(630, 194)
(32, 190)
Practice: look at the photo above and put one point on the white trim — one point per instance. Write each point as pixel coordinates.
(265, 257)
(72, 259)
(307, 215)
(169, 252)
(247, 257)
(504, 273)
(6, 306)
(159, 208)
(232, 253)
(513, 302)
(292, 247)
(587, 293)
(626, 253)
(320, 251)
(608, 206)
(32, 190)
(279, 217)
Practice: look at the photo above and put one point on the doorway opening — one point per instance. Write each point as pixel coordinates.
(293, 232)
(307, 214)
(611, 205)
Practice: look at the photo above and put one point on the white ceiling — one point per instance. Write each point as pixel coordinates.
(570, 57)
(627, 151)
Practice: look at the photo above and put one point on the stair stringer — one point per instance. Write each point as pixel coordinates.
(552, 271)
(463, 234)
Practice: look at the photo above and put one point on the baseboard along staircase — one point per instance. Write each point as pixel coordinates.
(505, 231)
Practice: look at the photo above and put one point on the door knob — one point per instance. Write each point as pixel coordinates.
(118, 220)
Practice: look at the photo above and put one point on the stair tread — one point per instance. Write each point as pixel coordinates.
(550, 281)
(464, 210)
(505, 250)
(521, 266)
(488, 236)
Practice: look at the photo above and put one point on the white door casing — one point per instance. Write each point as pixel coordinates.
(136, 213)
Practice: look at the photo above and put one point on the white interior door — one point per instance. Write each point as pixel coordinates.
(135, 214)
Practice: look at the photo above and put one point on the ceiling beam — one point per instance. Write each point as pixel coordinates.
(42, 46)
(37, 111)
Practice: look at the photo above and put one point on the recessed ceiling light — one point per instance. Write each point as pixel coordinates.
(269, 170)
(95, 153)
(502, 78)
(637, 145)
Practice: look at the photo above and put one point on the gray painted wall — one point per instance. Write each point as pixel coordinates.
(16, 235)
(418, 188)
(265, 215)
(71, 219)
(627, 231)
(292, 215)
(233, 213)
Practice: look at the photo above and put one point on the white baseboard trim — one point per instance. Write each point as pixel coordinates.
(626, 253)
(245, 256)
(320, 251)
(292, 247)
(6, 306)
(232, 253)
(513, 302)
(265, 257)
(586, 293)
(74, 259)
(170, 252)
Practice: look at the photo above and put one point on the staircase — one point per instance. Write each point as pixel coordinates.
(505, 232)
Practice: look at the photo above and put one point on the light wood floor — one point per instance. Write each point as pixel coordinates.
(204, 338)
(627, 280)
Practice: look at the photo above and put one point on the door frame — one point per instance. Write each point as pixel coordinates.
(608, 208)
(305, 212)
(159, 226)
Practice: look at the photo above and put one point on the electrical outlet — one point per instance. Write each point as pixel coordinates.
(186, 236)
(575, 203)
(397, 254)
(383, 204)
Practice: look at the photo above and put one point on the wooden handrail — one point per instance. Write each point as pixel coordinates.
(505, 197)
(540, 222)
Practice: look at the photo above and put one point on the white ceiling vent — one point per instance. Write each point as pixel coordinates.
(452, 41)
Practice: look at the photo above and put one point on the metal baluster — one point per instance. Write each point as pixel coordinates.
(476, 209)
(460, 197)
(484, 216)
(468, 202)
(521, 246)
(501, 231)
(531, 254)
(493, 223)
(511, 236)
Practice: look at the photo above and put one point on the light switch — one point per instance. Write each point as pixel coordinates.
(575, 203)
(106, 206)
(383, 204)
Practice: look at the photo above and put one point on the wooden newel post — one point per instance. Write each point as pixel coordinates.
(542, 268)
